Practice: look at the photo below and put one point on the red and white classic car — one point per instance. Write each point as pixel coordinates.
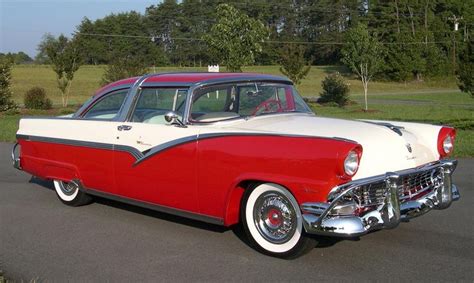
(240, 148)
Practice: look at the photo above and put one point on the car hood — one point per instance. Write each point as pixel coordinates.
(384, 149)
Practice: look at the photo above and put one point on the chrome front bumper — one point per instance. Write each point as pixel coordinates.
(383, 201)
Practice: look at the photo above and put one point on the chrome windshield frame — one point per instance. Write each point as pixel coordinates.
(194, 88)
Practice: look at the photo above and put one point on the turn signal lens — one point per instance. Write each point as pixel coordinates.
(351, 163)
(448, 144)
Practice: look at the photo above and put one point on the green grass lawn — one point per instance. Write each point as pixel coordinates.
(438, 112)
(432, 102)
(88, 78)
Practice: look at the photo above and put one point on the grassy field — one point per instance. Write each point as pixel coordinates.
(438, 110)
(436, 102)
(88, 78)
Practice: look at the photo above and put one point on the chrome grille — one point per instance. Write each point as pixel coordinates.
(411, 186)
(370, 194)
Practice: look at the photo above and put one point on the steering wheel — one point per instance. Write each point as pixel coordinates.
(266, 104)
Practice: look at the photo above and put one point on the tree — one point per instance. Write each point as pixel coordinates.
(124, 67)
(42, 56)
(363, 55)
(235, 38)
(465, 71)
(293, 63)
(116, 35)
(5, 92)
(64, 56)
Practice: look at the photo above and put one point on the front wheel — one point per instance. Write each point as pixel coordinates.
(70, 194)
(273, 222)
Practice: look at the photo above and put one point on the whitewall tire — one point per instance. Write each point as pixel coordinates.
(273, 223)
(69, 193)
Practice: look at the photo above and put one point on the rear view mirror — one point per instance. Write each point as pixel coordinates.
(254, 93)
(172, 118)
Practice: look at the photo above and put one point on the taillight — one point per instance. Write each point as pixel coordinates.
(446, 139)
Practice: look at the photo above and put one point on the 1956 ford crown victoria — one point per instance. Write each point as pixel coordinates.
(240, 148)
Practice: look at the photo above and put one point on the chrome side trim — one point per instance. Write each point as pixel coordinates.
(165, 146)
(133, 151)
(165, 84)
(156, 207)
(387, 214)
(162, 147)
(66, 142)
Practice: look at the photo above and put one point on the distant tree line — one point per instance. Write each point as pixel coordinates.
(16, 58)
(418, 37)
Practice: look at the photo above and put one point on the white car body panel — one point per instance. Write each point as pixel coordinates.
(383, 149)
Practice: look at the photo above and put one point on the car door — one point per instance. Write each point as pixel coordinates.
(94, 131)
(154, 161)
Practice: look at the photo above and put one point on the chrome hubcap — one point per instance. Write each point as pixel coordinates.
(275, 217)
(68, 188)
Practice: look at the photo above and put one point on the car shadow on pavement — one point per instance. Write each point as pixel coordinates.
(48, 184)
(161, 215)
(322, 241)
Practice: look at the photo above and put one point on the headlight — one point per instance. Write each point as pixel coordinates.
(448, 144)
(351, 163)
(446, 139)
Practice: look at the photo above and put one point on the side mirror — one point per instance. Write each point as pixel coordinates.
(173, 118)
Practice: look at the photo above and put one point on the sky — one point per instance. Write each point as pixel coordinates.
(24, 22)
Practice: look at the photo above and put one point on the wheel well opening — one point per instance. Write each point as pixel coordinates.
(236, 199)
(249, 184)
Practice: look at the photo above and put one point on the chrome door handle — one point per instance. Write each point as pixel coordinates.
(143, 143)
(124, 128)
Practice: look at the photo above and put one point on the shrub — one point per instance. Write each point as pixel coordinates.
(335, 90)
(35, 98)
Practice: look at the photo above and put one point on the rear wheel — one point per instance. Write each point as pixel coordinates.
(273, 222)
(70, 194)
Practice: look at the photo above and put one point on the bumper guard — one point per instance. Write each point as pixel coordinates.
(398, 197)
(16, 157)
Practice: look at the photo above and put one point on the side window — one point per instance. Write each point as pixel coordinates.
(213, 100)
(107, 107)
(213, 104)
(154, 103)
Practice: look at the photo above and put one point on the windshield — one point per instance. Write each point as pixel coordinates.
(228, 101)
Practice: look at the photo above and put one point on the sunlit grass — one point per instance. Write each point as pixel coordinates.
(438, 113)
(88, 79)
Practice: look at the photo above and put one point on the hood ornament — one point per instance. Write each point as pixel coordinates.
(396, 129)
(409, 147)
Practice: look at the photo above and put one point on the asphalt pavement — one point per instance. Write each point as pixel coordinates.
(42, 239)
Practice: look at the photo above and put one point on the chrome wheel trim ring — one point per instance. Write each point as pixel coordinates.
(68, 188)
(275, 217)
